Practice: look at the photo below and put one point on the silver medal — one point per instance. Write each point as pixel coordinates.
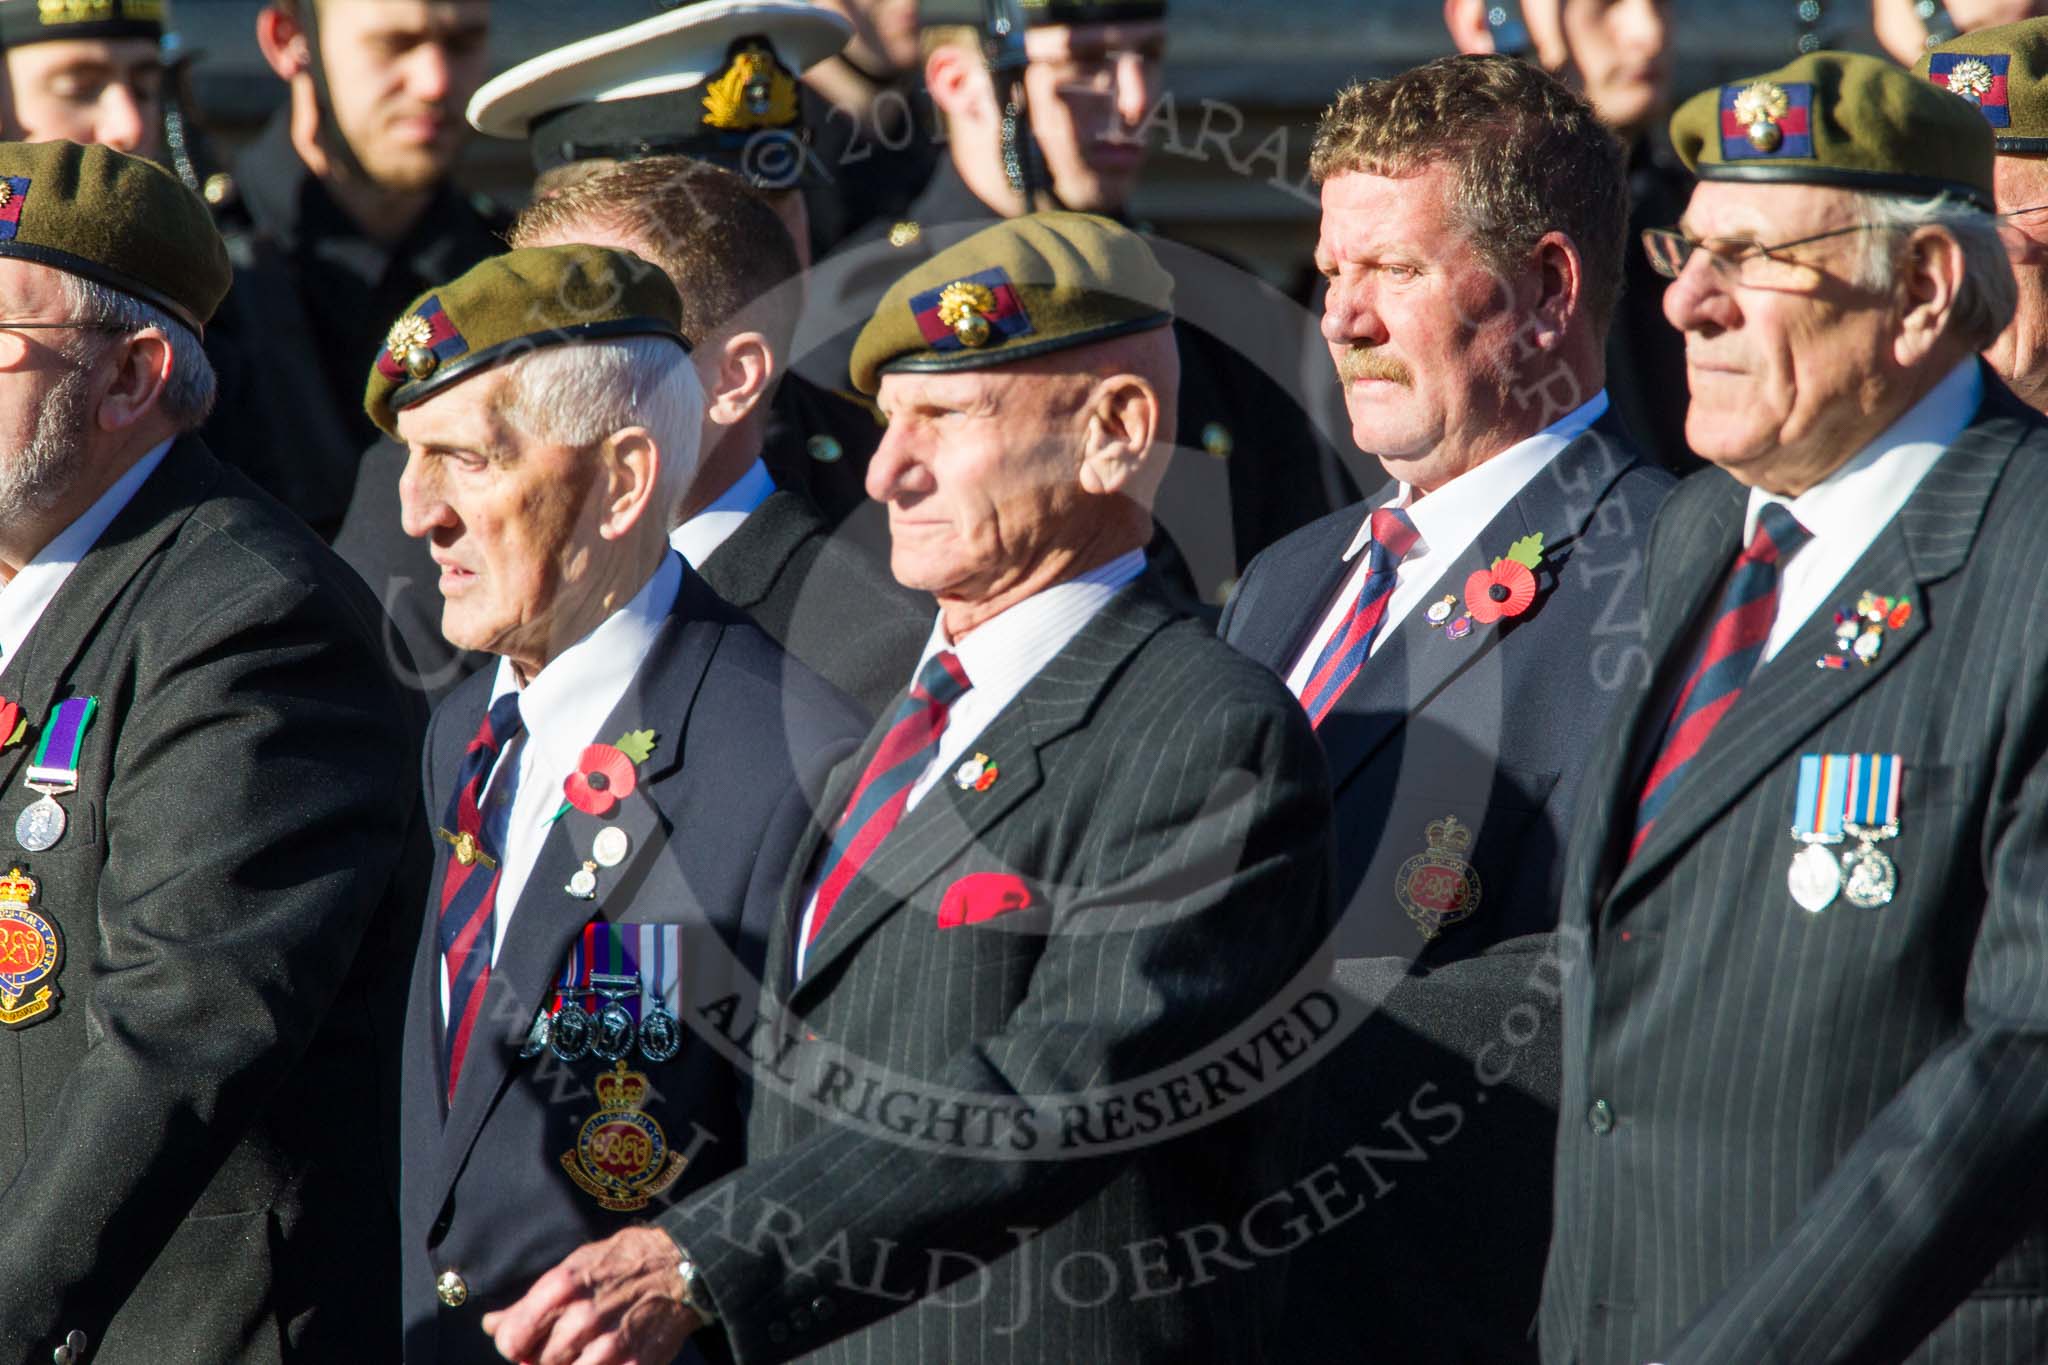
(537, 1036)
(569, 1036)
(614, 1037)
(660, 1037)
(1815, 878)
(40, 826)
(1871, 877)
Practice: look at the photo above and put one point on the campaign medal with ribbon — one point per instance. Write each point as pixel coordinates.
(622, 1157)
(1870, 816)
(53, 772)
(630, 969)
(30, 954)
(1815, 878)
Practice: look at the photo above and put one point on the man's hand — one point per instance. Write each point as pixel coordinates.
(615, 1302)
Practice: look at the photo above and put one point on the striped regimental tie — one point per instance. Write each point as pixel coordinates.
(879, 798)
(1733, 648)
(469, 885)
(1393, 536)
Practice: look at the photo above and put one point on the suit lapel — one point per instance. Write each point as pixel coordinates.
(1788, 698)
(1418, 661)
(547, 918)
(1275, 635)
(1053, 704)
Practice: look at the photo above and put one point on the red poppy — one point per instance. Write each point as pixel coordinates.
(10, 721)
(1901, 613)
(603, 775)
(1506, 589)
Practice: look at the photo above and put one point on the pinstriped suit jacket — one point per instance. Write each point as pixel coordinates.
(1828, 1130)
(1165, 803)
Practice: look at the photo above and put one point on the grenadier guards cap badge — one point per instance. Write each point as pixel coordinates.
(1437, 887)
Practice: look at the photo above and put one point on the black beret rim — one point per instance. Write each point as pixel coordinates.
(1843, 177)
(151, 29)
(463, 366)
(973, 359)
(2023, 146)
(100, 274)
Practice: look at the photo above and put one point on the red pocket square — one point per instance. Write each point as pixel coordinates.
(981, 896)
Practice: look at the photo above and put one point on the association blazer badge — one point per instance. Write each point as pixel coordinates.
(30, 953)
(622, 1158)
(1437, 887)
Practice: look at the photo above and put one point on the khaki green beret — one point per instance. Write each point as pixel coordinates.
(2004, 72)
(510, 305)
(1024, 287)
(40, 21)
(1838, 118)
(115, 219)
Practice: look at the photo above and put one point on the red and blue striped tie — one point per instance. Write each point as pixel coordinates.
(879, 798)
(469, 892)
(1393, 536)
(1734, 645)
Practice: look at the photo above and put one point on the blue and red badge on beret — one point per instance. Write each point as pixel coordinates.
(13, 194)
(418, 342)
(1978, 78)
(972, 312)
(1766, 119)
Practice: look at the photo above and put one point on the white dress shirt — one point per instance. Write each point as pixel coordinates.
(561, 711)
(697, 538)
(1846, 510)
(1000, 656)
(27, 595)
(1446, 523)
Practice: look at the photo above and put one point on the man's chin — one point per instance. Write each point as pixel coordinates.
(410, 170)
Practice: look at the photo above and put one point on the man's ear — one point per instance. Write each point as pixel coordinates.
(630, 466)
(284, 42)
(142, 366)
(958, 84)
(1466, 20)
(1123, 422)
(1560, 289)
(740, 382)
(1930, 279)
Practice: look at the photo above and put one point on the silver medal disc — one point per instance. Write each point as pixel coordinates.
(40, 826)
(614, 1037)
(1871, 878)
(569, 1038)
(537, 1036)
(660, 1037)
(1815, 879)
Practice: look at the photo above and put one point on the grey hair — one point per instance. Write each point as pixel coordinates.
(1989, 295)
(578, 394)
(190, 391)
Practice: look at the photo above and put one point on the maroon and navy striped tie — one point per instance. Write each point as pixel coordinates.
(1734, 645)
(879, 798)
(469, 892)
(1393, 536)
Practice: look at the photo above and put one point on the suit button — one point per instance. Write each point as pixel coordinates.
(823, 1307)
(72, 1350)
(1600, 1118)
(451, 1289)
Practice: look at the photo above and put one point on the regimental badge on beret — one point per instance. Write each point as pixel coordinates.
(971, 312)
(1979, 78)
(754, 91)
(418, 342)
(1765, 118)
(13, 195)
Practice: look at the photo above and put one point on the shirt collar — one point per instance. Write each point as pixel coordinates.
(29, 593)
(1004, 652)
(697, 538)
(565, 703)
(1866, 486)
(1474, 497)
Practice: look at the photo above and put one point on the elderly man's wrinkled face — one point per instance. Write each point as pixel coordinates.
(511, 520)
(981, 472)
(1421, 329)
(399, 74)
(46, 391)
(106, 90)
(1784, 356)
(2020, 355)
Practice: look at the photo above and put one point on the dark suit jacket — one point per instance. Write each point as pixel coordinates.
(195, 1161)
(1160, 828)
(744, 738)
(1494, 729)
(822, 600)
(1822, 1133)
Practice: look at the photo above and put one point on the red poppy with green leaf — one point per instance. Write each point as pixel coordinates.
(1508, 588)
(604, 773)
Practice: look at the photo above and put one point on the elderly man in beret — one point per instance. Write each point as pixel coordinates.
(1088, 850)
(207, 775)
(619, 797)
(2004, 72)
(1806, 1010)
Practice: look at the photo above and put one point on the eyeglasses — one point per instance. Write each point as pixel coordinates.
(14, 349)
(1742, 260)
